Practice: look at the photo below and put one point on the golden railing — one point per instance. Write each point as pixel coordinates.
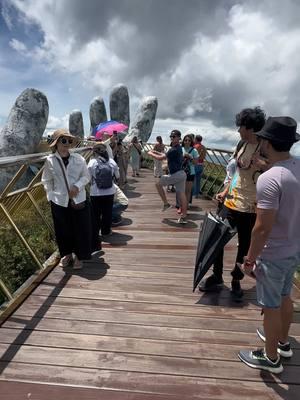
(27, 245)
(214, 171)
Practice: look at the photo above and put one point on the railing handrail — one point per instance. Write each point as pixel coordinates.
(32, 158)
(39, 157)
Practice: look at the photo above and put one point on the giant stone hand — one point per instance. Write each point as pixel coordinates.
(119, 111)
(76, 123)
(24, 128)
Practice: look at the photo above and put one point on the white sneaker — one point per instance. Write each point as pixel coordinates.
(284, 349)
(181, 220)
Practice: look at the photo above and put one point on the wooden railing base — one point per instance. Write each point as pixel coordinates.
(8, 308)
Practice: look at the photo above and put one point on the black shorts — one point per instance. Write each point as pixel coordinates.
(190, 178)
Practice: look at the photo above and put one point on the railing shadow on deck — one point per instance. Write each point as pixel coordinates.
(15, 346)
(97, 270)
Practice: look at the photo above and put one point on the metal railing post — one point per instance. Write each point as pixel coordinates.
(5, 290)
(18, 232)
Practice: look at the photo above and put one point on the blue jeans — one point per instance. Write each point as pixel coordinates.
(117, 211)
(197, 181)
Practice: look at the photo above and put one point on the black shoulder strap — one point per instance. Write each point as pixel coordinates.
(64, 172)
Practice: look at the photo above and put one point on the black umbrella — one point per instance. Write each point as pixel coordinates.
(213, 236)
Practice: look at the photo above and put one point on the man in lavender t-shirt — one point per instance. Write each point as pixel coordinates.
(277, 189)
(274, 251)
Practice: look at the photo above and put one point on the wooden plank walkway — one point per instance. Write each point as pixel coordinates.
(129, 327)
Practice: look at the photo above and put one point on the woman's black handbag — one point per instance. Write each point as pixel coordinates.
(77, 206)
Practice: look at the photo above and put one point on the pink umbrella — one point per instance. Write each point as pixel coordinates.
(108, 127)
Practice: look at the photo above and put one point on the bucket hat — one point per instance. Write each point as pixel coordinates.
(99, 147)
(279, 129)
(61, 133)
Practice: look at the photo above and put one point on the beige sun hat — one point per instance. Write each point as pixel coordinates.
(61, 133)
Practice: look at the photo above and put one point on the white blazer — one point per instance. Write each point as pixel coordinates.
(53, 181)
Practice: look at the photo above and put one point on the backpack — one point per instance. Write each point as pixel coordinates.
(103, 175)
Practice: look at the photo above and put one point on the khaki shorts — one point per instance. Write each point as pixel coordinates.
(178, 180)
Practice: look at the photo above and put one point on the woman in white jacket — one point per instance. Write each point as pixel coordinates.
(64, 178)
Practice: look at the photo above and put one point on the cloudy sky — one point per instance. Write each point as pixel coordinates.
(203, 59)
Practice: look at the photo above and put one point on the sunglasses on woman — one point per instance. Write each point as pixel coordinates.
(65, 140)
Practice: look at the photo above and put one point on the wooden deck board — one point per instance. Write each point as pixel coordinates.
(140, 384)
(128, 326)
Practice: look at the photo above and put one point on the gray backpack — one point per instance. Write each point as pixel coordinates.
(103, 175)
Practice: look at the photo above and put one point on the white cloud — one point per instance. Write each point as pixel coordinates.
(56, 123)
(18, 46)
(212, 135)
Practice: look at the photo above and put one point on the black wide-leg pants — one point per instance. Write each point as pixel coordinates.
(72, 230)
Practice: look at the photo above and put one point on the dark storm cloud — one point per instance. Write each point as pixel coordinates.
(224, 101)
(228, 100)
(165, 28)
(166, 19)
